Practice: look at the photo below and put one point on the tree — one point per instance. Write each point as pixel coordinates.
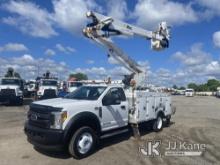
(192, 86)
(12, 73)
(182, 88)
(78, 76)
(213, 84)
(175, 87)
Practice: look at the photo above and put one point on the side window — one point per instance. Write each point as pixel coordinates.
(121, 94)
(116, 93)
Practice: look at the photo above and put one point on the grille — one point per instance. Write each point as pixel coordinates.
(50, 93)
(40, 116)
(8, 92)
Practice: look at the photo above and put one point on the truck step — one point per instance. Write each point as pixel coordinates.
(107, 135)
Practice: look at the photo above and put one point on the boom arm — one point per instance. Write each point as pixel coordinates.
(103, 27)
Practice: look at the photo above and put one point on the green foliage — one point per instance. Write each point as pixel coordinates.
(79, 76)
(182, 88)
(175, 87)
(211, 85)
(192, 86)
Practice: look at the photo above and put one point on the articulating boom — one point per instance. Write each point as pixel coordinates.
(103, 27)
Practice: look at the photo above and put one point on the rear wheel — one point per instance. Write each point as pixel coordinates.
(82, 143)
(158, 124)
(167, 121)
(20, 102)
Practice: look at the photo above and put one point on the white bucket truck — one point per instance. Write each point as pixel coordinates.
(11, 90)
(92, 112)
(47, 89)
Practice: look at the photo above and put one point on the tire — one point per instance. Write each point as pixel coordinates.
(20, 102)
(83, 137)
(158, 124)
(167, 121)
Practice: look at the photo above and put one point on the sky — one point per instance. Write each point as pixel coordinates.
(41, 35)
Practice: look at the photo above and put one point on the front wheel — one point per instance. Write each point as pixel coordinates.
(167, 121)
(158, 124)
(20, 102)
(82, 143)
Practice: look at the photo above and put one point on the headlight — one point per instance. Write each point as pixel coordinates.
(20, 93)
(58, 119)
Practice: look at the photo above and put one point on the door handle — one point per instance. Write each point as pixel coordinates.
(123, 107)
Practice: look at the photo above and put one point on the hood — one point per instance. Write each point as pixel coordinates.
(48, 87)
(9, 86)
(63, 102)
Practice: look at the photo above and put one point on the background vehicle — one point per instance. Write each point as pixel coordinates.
(11, 90)
(47, 88)
(218, 92)
(189, 92)
(73, 85)
(30, 88)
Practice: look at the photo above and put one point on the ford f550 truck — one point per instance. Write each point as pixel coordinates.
(92, 112)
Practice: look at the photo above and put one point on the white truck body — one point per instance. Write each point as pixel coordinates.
(189, 92)
(148, 105)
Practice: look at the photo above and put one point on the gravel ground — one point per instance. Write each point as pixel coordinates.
(197, 121)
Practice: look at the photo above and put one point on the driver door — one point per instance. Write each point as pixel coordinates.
(114, 109)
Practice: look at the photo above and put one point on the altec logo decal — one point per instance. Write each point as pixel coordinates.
(34, 117)
(152, 149)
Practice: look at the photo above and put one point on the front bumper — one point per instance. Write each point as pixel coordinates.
(44, 138)
(10, 98)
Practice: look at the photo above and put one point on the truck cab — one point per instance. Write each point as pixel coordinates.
(189, 92)
(73, 85)
(90, 113)
(11, 90)
(47, 89)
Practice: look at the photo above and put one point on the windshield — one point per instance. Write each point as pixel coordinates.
(10, 82)
(86, 93)
(75, 84)
(189, 90)
(49, 83)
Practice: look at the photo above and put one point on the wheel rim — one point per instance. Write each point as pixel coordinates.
(84, 143)
(159, 123)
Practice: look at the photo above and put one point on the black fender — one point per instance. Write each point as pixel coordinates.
(79, 120)
(161, 113)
